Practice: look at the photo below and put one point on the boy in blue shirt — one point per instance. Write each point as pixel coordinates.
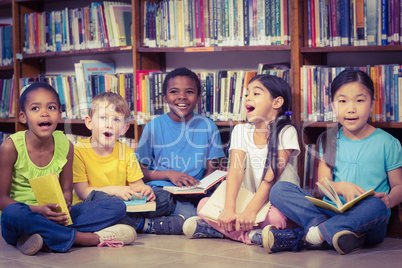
(180, 148)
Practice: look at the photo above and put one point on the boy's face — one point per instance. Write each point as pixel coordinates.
(182, 97)
(106, 125)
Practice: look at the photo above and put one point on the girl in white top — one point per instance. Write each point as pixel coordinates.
(262, 152)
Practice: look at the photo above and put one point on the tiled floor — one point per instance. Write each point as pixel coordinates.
(180, 251)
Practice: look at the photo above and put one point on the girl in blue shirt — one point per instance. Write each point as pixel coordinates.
(355, 157)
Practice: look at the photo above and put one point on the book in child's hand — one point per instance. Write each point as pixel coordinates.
(216, 203)
(329, 192)
(47, 189)
(201, 188)
(140, 204)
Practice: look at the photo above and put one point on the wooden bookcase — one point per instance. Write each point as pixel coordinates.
(144, 58)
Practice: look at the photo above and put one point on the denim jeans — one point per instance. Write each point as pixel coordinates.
(369, 216)
(164, 207)
(18, 219)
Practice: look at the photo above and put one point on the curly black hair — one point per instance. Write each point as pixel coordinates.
(182, 71)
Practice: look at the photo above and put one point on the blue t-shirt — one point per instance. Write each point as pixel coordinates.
(366, 162)
(180, 146)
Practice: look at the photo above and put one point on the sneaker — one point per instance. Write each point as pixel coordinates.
(168, 225)
(30, 244)
(346, 241)
(275, 240)
(256, 236)
(195, 227)
(116, 236)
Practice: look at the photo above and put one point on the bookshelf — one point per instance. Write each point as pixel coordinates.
(148, 58)
(59, 62)
(343, 56)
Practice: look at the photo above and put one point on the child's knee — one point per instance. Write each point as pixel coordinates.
(276, 218)
(201, 204)
(15, 211)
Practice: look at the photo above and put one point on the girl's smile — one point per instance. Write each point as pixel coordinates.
(353, 105)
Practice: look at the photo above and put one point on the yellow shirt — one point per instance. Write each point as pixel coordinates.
(117, 169)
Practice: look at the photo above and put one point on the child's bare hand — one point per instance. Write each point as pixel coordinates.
(49, 211)
(226, 220)
(124, 192)
(181, 179)
(147, 191)
(385, 198)
(245, 221)
(350, 190)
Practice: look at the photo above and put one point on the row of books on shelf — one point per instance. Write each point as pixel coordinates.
(354, 22)
(315, 91)
(92, 77)
(7, 97)
(99, 25)
(222, 92)
(206, 23)
(6, 46)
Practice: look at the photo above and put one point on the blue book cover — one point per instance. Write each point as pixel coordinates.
(384, 22)
(59, 88)
(95, 68)
(345, 22)
(246, 22)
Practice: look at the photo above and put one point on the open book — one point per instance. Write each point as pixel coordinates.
(329, 191)
(201, 188)
(216, 203)
(138, 204)
(47, 189)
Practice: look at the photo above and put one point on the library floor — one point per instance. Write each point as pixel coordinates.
(180, 251)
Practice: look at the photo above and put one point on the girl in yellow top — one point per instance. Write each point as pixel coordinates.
(41, 151)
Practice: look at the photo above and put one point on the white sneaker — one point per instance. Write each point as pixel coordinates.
(30, 244)
(117, 235)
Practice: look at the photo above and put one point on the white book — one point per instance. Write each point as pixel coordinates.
(205, 184)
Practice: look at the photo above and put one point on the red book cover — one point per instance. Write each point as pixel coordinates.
(309, 95)
(104, 27)
(286, 22)
(202, 26)
(197, 23)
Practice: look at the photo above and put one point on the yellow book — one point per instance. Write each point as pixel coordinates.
(47, 189)
(329, 191)
(216, 203)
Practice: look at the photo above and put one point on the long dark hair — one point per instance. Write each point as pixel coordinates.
(328, 139)
(277, 87)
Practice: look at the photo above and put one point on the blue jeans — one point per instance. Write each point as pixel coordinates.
(164, 207)
(369, 216)
(18, 219)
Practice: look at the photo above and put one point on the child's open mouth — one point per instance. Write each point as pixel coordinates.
(45, 124)
(108, 134)
(249, 108)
